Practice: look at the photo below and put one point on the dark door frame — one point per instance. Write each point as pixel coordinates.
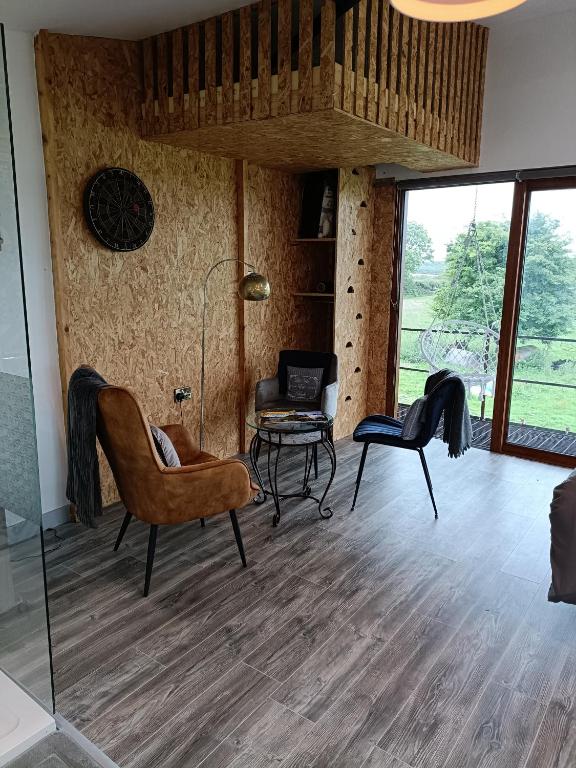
(395, 314)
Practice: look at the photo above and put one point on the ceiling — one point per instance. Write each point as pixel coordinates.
(135, 19)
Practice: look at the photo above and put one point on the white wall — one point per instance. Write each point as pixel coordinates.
(530, 103)
(529, 116)
(35, 237)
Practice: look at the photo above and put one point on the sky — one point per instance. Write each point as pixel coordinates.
(447, 212)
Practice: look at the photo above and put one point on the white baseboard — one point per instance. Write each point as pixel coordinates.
(56, 517)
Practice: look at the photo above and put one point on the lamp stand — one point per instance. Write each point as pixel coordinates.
(203, 364)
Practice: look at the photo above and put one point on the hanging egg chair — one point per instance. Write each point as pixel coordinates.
(468, 348)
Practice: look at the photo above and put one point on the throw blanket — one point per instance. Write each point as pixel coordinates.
(457, 424)
(83, 487)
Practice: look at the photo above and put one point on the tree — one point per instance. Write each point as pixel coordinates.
(460, 295)
(418, 248)
(548, 290)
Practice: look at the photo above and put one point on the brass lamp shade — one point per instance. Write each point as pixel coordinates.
(454, 10)
(254, 287)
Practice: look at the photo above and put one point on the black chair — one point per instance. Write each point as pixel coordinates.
(271, 393)
(384, 430)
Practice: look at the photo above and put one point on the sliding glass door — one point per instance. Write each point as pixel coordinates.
(539, 405)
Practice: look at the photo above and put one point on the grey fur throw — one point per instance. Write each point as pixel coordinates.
(83, 486)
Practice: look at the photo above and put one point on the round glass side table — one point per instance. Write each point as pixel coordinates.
(274, 434)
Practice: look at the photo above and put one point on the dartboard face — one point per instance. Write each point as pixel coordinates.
(119, 209)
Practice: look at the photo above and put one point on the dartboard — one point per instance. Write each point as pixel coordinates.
(119, 209)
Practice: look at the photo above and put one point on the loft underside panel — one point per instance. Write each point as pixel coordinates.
(329, 138)
(410, 91)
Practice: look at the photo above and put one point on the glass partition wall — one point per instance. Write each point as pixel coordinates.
(24, 639)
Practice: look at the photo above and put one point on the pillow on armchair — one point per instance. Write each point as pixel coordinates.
(304, 384)
(164, 447)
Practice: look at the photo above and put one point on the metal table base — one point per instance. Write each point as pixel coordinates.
(273, 441)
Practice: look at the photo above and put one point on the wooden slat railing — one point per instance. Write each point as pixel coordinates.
(418, 79)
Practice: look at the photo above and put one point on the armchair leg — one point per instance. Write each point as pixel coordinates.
(360, 471)
(238, 536)
(125, 522)
(315, 449)
(202, 523)
(150, 558)
(428, 480)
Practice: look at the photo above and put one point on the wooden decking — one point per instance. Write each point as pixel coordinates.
(379, 638)
(540, 438)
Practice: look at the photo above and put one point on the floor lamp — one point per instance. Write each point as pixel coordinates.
(252, 287)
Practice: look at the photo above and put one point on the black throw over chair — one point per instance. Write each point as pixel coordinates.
(384, 430)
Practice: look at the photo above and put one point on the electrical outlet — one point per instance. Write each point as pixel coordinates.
(182, 393)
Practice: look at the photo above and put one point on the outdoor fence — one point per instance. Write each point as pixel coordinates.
(411, 360)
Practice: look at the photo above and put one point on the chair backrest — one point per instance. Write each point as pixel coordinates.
(301, 358)
(437, 401)
(127, 442)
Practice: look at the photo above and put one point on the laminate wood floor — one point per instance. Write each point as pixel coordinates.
(378, 639)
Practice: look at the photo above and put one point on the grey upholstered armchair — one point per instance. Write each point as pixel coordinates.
(272, 393)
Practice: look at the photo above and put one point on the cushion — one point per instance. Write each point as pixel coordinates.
(304, 383)
(164, 447)
(415, 418)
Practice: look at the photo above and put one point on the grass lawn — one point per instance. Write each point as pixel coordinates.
(536, 405)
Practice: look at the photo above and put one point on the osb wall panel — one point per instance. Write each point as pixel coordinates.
(352, 288)
(136, 317)
(284, 321)
(380, 295)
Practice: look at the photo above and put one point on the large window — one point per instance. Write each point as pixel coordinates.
(489, 291)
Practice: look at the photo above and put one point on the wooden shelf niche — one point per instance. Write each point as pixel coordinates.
(318, 255)
(317, 91)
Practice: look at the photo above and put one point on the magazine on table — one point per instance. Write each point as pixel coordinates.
(291, 416)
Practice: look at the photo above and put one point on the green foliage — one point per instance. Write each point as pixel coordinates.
(424, 284)
(548, 290)
(418, 249)
(460, 295)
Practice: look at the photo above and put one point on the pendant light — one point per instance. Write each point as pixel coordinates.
(454, 10)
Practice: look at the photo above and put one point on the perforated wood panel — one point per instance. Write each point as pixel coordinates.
(353, 275)
(136, 317)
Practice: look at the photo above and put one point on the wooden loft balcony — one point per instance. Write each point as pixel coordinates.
(283, 86)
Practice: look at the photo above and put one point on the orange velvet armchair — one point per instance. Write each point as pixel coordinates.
(202, 487)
